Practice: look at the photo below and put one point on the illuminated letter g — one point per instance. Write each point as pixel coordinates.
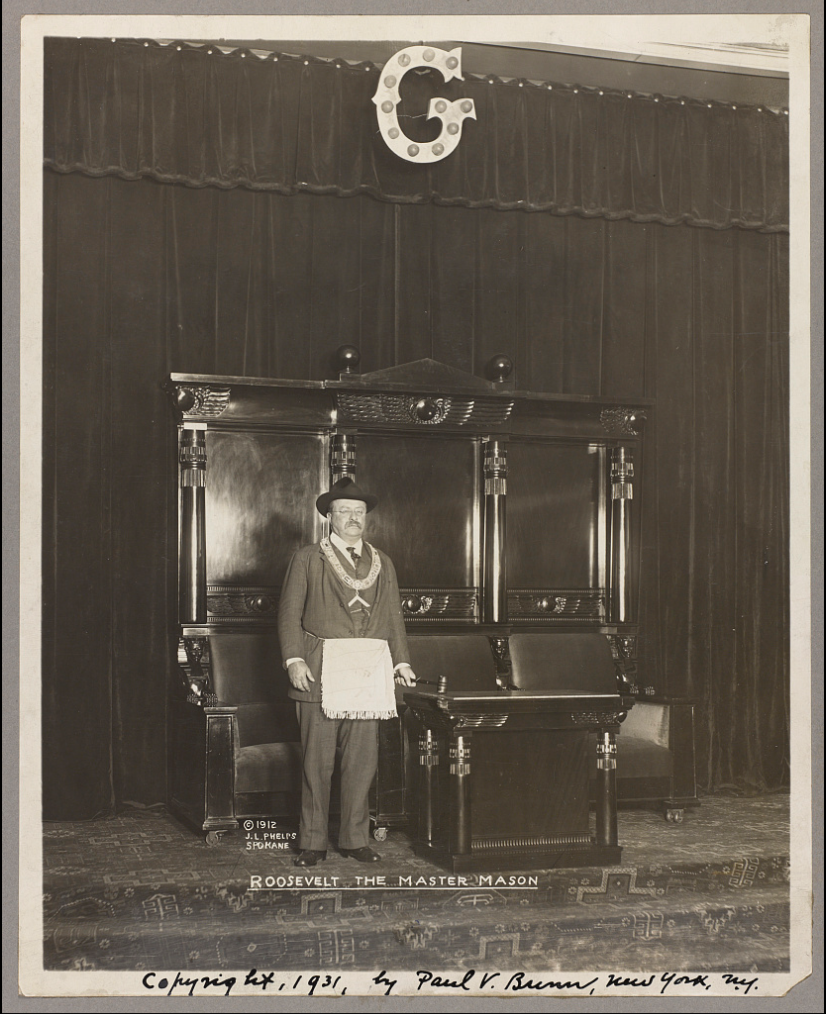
(452, 114)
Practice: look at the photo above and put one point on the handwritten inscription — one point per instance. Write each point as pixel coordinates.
(427, 981)
(382, 980)
(669, 979)
(435, 980)
(515, 983)
(738, 983)
(206, 984)
(520, 981)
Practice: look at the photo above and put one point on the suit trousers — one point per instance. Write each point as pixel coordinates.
(358, 740)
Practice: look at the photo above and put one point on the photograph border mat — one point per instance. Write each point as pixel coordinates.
(27, 325)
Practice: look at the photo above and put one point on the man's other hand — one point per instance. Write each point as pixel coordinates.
(406, 675)
(300, 675)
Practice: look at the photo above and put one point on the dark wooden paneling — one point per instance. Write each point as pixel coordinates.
(261, 491)
(553, 497)
(425, 519)
(529, 783)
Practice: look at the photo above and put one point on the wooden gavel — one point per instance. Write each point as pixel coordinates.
(440, 684)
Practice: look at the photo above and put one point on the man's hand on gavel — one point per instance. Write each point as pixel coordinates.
(406, 675)
(300, 675)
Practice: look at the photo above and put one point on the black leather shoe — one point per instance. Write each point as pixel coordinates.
(363, 855)
(309, 857)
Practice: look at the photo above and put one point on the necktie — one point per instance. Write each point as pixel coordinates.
(355, 557)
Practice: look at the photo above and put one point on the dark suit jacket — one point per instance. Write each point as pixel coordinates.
(314, 606)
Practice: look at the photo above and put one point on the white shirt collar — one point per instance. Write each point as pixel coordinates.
(339, 543)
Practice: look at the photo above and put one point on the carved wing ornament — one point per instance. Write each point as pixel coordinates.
(199, 400)
(420, 410)
(623, 420)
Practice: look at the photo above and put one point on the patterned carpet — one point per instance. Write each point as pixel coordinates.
(141, 891)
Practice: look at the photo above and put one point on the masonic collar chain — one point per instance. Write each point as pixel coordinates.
(351, 582)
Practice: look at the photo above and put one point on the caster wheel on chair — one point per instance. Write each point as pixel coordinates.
(380, 834)
(213, 838)
(674, 816)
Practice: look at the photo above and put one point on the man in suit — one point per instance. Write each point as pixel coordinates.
(343, 643)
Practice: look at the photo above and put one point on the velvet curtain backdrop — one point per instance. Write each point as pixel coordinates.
(144, 277)
(203, 118)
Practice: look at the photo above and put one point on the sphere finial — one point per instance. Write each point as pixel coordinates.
(348, 358)
(184, 399)
(499, 368)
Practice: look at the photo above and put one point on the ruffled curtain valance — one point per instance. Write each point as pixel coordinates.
(202, 117)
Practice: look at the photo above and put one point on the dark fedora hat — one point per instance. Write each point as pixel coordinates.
(344, 489)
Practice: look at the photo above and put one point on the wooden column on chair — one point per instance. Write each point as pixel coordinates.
(342, 456)
(622, 493)
(495, 560)
(203, 773)
(192, 602)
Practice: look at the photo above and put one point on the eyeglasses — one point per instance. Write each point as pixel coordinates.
(353, 513)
